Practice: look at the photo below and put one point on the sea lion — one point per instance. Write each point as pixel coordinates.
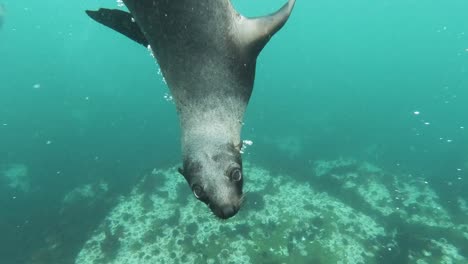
(207, 53)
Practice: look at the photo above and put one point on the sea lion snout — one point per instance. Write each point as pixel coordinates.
(216, 179)
(226, 201)
(223, 197)
(225, 211)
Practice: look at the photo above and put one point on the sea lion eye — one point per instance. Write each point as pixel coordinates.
(198, 191)
(236, 175)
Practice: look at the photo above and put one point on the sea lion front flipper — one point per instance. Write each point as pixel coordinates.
(119, 21)
(254, 33)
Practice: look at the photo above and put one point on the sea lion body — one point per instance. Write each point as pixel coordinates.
(207, 53)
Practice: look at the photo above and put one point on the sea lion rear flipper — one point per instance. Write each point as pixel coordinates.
(119, 21)
(255, 32)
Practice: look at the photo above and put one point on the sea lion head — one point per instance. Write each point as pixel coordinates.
(215, 176)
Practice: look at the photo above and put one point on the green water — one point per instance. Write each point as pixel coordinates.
(378, 81)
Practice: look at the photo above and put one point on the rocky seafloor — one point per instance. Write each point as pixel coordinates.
(347, 212)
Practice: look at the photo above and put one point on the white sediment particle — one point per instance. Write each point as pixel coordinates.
(37, 86)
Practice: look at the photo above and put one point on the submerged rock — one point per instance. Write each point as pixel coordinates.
(84, 193)
(356, 220)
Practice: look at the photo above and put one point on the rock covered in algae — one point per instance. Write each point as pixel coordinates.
(282, 221)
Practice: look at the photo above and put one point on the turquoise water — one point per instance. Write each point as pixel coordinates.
(379, 82)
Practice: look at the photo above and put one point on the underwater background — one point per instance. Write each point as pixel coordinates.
(359, 111)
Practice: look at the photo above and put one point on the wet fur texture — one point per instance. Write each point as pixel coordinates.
(211, 80)
(207, 53)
